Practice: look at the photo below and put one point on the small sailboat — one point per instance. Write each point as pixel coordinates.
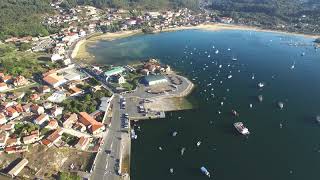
(260, 98)
(250, 105)
(230, 76)
(292, 67)
(318, 118)
(235, 113)
(198, 143)
(205, 171)
(217, 51)
(252, 77)
(281, 105)
(229, 49)
(260, 85)
(171, 170)
(209, 55)
(160, 148)
(182, 151)
(175, 133)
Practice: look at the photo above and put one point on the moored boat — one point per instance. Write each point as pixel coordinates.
(241, 128)
(205, 171)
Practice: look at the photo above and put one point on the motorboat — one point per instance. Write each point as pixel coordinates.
(260, 98)
(241, 128)
(205, 171)
(198, 143)
(235, 113)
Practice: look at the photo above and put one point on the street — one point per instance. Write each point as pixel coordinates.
(107, 161)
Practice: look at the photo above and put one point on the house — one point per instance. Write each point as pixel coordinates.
(33, 137)
(74, 91)
(54, 80)
(37, 109)
(13, 142)
(3, 87)
(16, 149)
(26, 107)
(3, 119)
(7, 104)
(44, 89)
(7, 127)
(47, 105)
(120, 79)
(53, 124)
(57, 97)
(35, 97)
(56, 111)
(18, 168)
(154, 80)
(18, 107)
(20, 81)
(56, 57)
(3, 138)
(79, 127)
(83, 142)
(41, 119)
(53, 138)
(11, 112)
(92, 125)
(6, 79)
(70, 120)
(145, 72)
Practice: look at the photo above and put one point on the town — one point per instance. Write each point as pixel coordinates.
(69, 107)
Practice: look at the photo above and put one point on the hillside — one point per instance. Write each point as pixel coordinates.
(140, 4)
(21, 17)
(295, 15)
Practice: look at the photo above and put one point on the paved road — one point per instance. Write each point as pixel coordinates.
(106, 167)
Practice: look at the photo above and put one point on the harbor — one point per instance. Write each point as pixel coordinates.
(255, 86)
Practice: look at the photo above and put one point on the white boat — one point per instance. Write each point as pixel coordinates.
(205, 171)
(171, 170)
(229, 49)
(280, 104)
(260, 85)
(252, 77)
(198, 143)
(230, 76)
(174, 133)
(182, 151)
(260, 98)
(133, 134)
(241, 128)
(217, 51)
(303, 54)
(318, 118)
(234, 59)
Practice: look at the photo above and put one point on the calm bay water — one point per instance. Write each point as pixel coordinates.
(270, 152)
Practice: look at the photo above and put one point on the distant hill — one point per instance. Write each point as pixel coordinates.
(21, 17)
(304, 15)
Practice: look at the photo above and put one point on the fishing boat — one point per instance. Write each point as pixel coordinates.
(280, 104)
(260, 85)
(241, 128)
(260, 98)
(235, 113)
(205, 171)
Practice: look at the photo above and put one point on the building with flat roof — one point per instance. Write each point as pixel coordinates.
(18, 168)
(114, 71)
(154, 80)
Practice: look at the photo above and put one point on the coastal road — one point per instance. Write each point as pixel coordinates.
(107, 161)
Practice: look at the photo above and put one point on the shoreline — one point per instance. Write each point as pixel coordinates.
(80, 51)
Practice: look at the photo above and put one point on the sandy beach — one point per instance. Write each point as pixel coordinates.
(80, 51)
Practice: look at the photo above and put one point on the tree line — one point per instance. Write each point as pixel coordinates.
(23, 17)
